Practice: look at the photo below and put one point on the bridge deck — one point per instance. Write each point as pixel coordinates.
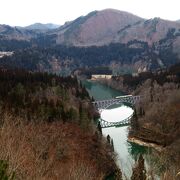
(104, 104)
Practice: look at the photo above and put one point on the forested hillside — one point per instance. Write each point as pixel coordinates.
(48, 128)
(42, 96)
(157, 118)
(101, 38)
(117, 57)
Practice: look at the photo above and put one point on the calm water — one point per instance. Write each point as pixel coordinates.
(127, 153)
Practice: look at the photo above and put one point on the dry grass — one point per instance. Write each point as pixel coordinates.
(53, 151)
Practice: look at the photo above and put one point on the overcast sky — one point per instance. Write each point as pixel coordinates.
(25, 12)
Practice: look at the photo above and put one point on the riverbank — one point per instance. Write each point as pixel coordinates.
(138, 141)
(125, 158)
(145, 144)
(156, 121)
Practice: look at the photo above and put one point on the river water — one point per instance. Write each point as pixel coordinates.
(127, 152)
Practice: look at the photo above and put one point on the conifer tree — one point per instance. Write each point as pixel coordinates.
(139, 172)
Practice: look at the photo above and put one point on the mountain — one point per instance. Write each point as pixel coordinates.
(100, 28)
(150, 31)
(25, 33)
(104, 27)
(14, 38)
(110, 38)
(14, 33)
(40, 26)
(97, 28)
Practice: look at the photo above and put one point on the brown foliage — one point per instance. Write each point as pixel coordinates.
(53, 151)
(139, 172)
(160, 123)
(161, 105)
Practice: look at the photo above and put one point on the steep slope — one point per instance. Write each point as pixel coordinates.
(122, 38)
(109, 25)
(150, 31)
(97, 28)
(50, 121)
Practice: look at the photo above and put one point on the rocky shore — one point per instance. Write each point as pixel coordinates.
(142, 143)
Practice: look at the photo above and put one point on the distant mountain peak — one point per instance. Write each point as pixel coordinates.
(42, 26)
(96, 28)
(110, 10)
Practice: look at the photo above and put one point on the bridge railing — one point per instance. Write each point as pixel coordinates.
(117, 99)
(104, 104)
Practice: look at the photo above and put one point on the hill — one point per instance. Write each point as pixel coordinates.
(104, 27)
(47, 129)
(96, 28)
(152, 30)
(14, 33)
(89, 40)
(40, 26)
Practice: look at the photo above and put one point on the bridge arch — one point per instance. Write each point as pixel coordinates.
(106, 124)
(104, 104)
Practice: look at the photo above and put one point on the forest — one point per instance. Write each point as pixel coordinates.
(48, 126)
(48, 129)
(156, 119)
(33, 58)
(58, 58)
(42, 95)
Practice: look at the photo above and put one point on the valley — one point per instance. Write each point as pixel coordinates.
(51, 74)
(115, 37)
(156, 118)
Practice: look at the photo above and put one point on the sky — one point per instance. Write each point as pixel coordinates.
(26, 12)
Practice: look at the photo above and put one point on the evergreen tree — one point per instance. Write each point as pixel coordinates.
(134, 121)
(83, 117)
(4, 175)
(92, 99)
(139, 172)
(99, 127)
(112, 144)
(108, 139)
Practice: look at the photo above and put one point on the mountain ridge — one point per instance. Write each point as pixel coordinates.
(100, 37)
(97, 28)
(41, 26)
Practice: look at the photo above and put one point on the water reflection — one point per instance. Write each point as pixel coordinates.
(135, 150)
(127, 152)
(119, 136)
(116, 114)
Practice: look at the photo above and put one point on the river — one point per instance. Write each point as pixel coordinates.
(127, 152)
